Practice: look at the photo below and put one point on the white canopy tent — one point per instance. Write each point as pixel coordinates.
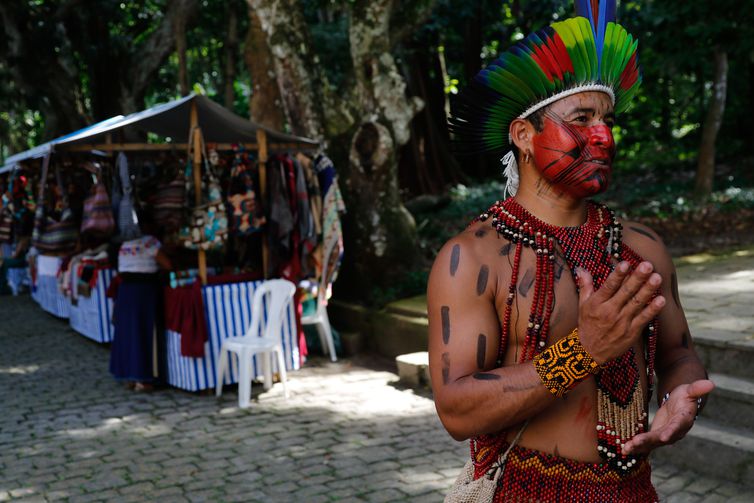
(172, 120)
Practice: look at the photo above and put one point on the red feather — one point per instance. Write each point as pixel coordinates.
(630, 74)
(558, 49)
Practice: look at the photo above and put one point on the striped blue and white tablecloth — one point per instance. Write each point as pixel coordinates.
(91, 316)
(227, 309)
(46, 291)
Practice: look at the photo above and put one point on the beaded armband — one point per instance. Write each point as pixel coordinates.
(565, 364)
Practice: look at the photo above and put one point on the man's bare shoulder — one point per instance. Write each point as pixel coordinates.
(477, 244)
(647, 243)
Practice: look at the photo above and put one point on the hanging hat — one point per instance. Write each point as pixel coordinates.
(590, 52)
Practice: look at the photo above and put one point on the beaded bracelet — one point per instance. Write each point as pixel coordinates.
(666, 396)
(564, 364)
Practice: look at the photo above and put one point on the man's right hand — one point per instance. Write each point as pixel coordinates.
(612, 318)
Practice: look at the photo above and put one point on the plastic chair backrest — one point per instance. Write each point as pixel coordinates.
(277, 294)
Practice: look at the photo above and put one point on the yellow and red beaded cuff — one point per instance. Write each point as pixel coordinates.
(564, 364)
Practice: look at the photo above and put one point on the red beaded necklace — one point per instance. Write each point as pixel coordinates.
(591, 246)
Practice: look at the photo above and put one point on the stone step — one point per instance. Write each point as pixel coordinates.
(725, 352)
(717, 450)
(413, 306)
(413, 369)
(732, 402)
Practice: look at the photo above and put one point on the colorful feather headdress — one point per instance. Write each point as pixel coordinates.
(590, 52)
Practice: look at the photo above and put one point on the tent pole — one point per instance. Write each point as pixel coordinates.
(197, 162)
(262, 154)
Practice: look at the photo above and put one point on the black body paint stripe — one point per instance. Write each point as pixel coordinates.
(455, 256)
(481, 350)
(445, 313)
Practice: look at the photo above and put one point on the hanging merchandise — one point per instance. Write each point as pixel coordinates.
(54, 236)
(208, 227)
(98, 218)
(128, 222)
(169, 203)
(6, 213)
(247, 215)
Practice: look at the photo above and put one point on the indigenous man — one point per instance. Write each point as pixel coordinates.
(549, 316)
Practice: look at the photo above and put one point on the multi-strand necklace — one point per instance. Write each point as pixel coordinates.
(593, 246)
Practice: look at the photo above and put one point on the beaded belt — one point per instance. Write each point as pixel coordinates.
(531, 475)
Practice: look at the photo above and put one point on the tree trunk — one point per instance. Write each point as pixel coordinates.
(23, 49)
(382, 230)
(147, 59)
(365, 126)
(295, 69)
(179, 29)
(705, 171)
(231, 50)
(265, 106)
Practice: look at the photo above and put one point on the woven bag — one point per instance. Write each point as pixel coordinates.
(98, 218)
(6, 225)
(169, 204)
(208, 228)
(467, 490)
(51, 236)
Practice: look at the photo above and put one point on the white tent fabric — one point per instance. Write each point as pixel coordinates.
(170, 120)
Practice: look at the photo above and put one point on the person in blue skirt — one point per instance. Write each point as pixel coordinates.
(133, 356)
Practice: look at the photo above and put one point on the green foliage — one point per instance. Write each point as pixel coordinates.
(412, 284)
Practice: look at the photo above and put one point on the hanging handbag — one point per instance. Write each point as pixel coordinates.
(6, 225)
(6, 213)
(467, 490)
(208, 227)
(98, 218)
(169, 204)
(247, 215)
(128, 221)
(54, 237)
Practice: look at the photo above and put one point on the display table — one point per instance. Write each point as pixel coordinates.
(91, 316)
(45, 290)
(227, 310)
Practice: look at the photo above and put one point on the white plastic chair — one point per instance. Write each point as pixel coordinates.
(320, 318)
(279, 297)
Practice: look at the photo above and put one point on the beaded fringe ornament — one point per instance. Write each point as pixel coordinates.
(591, 246)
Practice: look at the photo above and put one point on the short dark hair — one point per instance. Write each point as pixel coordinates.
(537, 119)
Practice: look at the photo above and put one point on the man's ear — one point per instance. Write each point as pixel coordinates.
(521, 134)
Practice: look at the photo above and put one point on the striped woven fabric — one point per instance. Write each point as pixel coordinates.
(47, 294)
(227, 309)
(91, 316)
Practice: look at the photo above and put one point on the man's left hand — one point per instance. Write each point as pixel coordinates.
(673, 420)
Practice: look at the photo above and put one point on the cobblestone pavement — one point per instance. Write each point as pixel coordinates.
(349, 432)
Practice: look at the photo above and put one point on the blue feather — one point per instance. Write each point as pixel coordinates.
(599, 20)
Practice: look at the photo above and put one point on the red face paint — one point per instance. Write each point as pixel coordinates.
(576, 159)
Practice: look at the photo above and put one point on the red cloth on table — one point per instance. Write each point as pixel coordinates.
(112, 290)
(184, 313)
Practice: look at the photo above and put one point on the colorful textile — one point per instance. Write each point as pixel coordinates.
(531, 475)
(139, 255)
(332, 206)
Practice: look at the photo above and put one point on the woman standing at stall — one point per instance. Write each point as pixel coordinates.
(133, 356)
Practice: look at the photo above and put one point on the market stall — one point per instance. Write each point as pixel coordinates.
(207, 138)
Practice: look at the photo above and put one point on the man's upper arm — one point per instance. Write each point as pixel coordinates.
(463, 323)
(674, 345)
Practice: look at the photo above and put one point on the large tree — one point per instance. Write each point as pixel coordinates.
(79, 61)
(365, 121)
